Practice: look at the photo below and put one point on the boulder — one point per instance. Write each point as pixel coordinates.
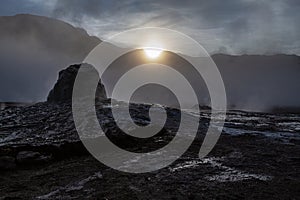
(63, 88)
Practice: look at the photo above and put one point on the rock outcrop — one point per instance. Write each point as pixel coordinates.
(63, 89)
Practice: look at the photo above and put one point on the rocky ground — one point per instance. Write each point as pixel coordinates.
(41, 157)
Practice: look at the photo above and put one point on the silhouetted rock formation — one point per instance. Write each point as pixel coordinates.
(63, 89)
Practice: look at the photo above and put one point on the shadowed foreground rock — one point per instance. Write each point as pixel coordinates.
(41, 157)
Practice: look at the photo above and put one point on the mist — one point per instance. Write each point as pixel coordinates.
(33, 50)
(252, 82)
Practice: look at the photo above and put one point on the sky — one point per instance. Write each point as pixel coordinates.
(221, 26)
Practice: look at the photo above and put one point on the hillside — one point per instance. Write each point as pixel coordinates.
(32, 50)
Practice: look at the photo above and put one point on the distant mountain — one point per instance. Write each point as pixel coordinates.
(252, 82)
(32, 51)
(261, 82)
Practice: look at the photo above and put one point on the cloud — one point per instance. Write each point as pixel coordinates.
(240, 26)
(37, 7)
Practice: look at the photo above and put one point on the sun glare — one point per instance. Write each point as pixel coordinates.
(152, 52)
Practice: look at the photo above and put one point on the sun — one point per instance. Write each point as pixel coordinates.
(152, 53)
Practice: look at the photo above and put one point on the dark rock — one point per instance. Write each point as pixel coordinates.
(202, 107)
(242, 161)
(63, 88)
(30, 157)
(7, 163)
